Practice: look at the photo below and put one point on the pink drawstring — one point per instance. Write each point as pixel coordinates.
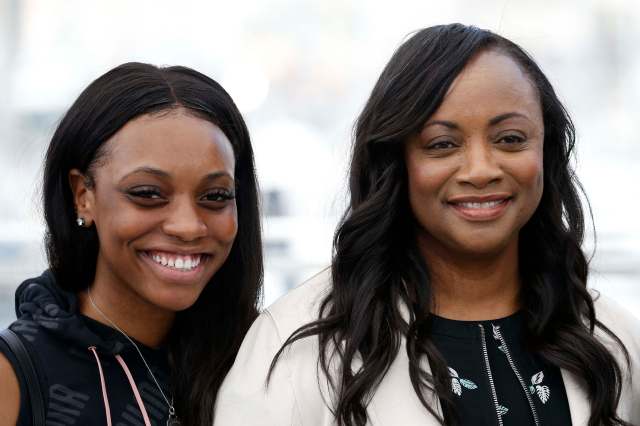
(104, 386)
(145, 416)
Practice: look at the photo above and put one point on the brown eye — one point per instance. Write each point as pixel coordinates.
(149, 193)
(147, 196)
(511, 139)
(220, 195)
(217, 198)
(441, 145)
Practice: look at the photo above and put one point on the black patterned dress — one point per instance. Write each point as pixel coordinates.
(494, 379)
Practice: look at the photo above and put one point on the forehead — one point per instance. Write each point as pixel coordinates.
(492, 83)
(175, 142)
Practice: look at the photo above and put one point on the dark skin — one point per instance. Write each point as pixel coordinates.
(475, 175)
(9, 394)
(167, 187)
(163, 204)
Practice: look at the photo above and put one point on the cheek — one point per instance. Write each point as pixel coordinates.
(540, 183)
(119, 223)
(426, 181)
(224, 227)
(529, 174)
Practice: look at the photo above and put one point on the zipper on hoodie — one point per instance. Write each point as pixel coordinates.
(514, 368)
(494, 395)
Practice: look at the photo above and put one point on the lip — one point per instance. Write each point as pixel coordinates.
(174, 275)
(180, 251)
(479, 198)
(477, 214)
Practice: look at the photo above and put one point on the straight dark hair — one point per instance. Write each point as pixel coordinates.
(205, 337)
(376, 262)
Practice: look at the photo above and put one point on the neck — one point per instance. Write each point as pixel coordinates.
(137, 318)
(471, 288)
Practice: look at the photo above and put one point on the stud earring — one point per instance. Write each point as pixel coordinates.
(80, 221)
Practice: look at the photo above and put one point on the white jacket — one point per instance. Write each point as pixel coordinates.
(295, 396)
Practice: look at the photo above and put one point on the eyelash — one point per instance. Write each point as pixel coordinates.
(444, 145)
(221, 195)
(518, 139)
(150, 194)
(438, 145)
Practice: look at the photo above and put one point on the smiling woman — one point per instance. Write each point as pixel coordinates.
(164, 204)
(153, 239)
(458, 291)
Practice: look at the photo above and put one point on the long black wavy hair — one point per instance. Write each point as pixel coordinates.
(376, 263)
(205, 338)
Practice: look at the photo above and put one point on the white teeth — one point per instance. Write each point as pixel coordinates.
(183, 263)
(483, 205)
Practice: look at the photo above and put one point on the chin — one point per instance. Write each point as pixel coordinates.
(174, 301)
(483, 250)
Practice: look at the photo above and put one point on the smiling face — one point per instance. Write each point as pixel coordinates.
(163, 203)
(475, 170)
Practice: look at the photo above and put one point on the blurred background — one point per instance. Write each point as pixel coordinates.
(300, 71)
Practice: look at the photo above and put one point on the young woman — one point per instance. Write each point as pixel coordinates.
(458, 288)
(153, 241)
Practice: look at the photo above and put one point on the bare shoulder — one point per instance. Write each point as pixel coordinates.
(9, 393)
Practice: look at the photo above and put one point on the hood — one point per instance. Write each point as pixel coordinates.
(42, 301)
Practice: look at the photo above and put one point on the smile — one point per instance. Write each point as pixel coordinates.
(481, 210)
(176, 262)
(484, 205)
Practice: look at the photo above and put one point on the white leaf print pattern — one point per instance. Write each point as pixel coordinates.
(455, 386)
(502, 410)
(468, 384)
(496, 331)
(543, 393)
(457, 383)
(538, 388)
(453, 372)
(537, 378)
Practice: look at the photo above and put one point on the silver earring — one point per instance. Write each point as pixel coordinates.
(80, 221)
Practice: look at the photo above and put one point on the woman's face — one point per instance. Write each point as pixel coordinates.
(475, 171)
(163, 203)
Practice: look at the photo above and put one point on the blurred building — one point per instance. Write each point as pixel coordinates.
(300, 71)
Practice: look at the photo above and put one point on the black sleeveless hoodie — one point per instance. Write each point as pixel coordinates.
(70, 350)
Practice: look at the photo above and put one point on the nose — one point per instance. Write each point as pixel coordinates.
(480, 167)
(183, 221)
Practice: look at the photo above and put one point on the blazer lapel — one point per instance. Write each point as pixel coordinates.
(578, 400)
(396, 403)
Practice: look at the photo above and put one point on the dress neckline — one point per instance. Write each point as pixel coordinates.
(509, 326)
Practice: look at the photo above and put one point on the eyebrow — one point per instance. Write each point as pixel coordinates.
(448, 124)
(148, 170)
(502, 117)
(216, 175)
(495, 120)
(164, 175)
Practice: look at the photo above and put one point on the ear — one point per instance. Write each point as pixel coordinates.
(83, 196)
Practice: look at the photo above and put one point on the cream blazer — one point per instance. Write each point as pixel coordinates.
(295, 396)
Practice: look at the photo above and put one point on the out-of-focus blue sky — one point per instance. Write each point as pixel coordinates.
(300, 71)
